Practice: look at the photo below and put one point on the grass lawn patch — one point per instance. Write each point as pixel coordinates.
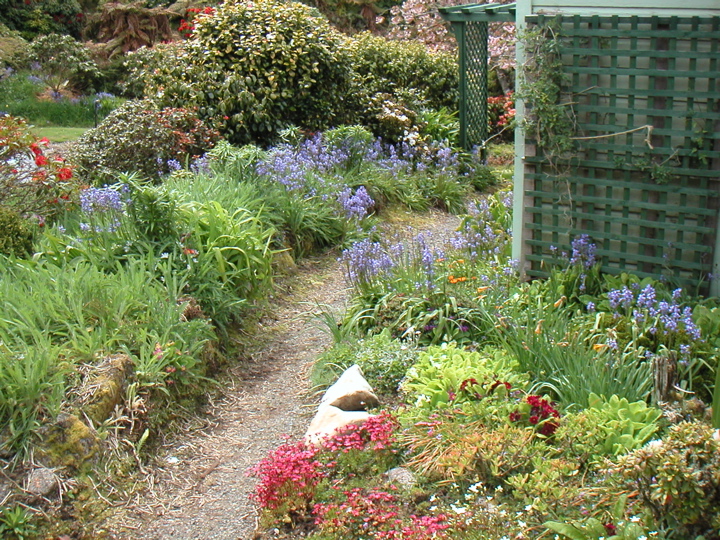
(60, 134)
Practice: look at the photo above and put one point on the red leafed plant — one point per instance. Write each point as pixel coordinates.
(376, 514)
(537, 412)
(376, 433)
(288, 478)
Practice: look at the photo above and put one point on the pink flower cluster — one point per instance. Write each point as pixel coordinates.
(377, 514)
(377, 433)
(289, 472)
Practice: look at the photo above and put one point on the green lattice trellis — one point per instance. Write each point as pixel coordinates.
(649, 199)
(470, 25)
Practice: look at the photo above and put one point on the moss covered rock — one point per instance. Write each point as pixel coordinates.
(69, 443)
(104, 388)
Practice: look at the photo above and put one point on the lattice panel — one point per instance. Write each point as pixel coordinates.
(476, 93)
(646, 182)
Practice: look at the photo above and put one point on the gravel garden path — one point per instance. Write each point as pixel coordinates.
(198, 487)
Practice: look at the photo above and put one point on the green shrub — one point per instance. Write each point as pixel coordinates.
(382, 359)
(14, 50)
(139, 138)
(609, 427)
(440, 125)
(61, 58)
(439, 378)
(255, 68)
(15, 234)
(405, 70)
(678, 478)
(50, 16)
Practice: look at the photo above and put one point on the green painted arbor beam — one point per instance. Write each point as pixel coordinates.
(470, 25)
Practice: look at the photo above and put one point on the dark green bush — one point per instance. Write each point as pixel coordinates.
(139, 138)
(254, 69)
(16, 236)
(38, 17)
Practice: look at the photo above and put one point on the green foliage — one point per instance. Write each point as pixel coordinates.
(615, 528)
(440, 376)
(61, 58)
(609, 427)
(16, 236)
(382, 359)
(678, 478)
(16, 523)
(37, 17)
(255, 68)
(562, 360)
(55, 317)
(550, 119)
(14, 50)
(32, 380)
(139, 138)
(440, 125)
(404, 70)
(482, 177)
(235, 245)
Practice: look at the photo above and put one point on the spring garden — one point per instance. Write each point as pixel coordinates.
(235, 140)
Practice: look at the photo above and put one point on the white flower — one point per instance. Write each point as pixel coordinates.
(458, 509)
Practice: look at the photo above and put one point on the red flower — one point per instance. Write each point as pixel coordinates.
(548, 429)
(515, 416)
(189, 251)
(40, 160)
(65, 173)
(500, 383)
(610, 528)
(534, 419)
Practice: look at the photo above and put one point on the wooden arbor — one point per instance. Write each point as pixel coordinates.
(470, 25)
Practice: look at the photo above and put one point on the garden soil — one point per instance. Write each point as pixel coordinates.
(197, 485)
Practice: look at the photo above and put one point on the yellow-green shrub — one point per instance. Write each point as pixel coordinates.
(255, 68)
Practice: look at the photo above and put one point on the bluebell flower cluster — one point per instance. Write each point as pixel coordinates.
(173, 165)
(481, 235)
(100, 200)
(295, 166)
(201, 165)
(357, 204)
(583, 252)
(365, 261)
(663, 315)
(103, 207)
